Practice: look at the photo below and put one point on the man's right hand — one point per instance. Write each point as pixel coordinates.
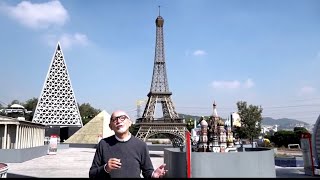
(113, 163)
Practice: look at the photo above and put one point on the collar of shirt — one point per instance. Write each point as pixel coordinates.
(125, 139)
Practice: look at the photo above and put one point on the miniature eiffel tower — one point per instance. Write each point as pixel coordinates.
(170, 124)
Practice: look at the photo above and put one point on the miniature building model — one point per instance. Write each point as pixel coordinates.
(170, 124)
(20, 134)
(215, 135)
(95, 128)
(57, 106)
(203, 138)
(16, 111)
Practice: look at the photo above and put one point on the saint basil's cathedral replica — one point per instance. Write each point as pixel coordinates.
(213, 135)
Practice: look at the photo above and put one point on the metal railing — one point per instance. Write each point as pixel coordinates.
(3, 170)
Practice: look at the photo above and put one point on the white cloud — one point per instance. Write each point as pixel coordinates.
(226, 84)
(307, 90)
(37, 16)
(235, 84)
(199, 53)
(68, 40)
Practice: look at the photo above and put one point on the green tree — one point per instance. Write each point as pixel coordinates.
(2, 110)
(283, 138)
(30, 105)
(299, 131)
(87, 112)
(190, 124)
(134, 128)
(250, 117)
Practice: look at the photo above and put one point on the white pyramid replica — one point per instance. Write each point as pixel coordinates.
(93, 131)
(57, 104)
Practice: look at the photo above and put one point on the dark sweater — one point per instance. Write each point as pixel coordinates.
(134, 155)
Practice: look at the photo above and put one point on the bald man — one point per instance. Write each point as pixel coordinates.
(123, 155)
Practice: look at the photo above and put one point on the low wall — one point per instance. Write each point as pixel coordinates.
(62, 146)
(289, 161)
(256, 162)
(21, 155)
(175, 163)
(78, 145)
(151, 147)
(158, 147)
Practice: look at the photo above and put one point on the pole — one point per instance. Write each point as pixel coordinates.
(188, 153)
(310, 145)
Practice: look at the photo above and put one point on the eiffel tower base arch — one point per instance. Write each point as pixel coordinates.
(175, 132)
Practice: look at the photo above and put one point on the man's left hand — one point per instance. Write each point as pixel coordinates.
(159, 172)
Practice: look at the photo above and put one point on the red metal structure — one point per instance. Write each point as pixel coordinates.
(188, 153)
(308, 137)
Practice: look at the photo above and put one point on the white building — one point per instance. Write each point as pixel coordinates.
(15, 110)
(20, 134)
(267, 128)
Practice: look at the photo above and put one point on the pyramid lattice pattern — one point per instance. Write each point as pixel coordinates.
(57, 104)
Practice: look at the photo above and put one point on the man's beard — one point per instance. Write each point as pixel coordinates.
(121, 130)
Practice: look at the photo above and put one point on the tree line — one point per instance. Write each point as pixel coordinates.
(87, 112)
(283, 137)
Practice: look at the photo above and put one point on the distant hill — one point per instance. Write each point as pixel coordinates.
(284, 123)
(186, 116)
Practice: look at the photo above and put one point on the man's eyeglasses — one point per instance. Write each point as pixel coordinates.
(121, 118)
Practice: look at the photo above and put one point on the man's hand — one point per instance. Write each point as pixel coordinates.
(113, 163)
(159, 172)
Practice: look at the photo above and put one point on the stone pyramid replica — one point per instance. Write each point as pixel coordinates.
(93, 131)
(57, 103)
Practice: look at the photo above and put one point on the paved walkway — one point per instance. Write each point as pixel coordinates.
(75, 162)
(69, 163)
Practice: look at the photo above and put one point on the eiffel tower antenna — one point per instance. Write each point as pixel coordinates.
(159, 92)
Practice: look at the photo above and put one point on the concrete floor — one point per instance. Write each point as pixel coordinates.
(69, 163)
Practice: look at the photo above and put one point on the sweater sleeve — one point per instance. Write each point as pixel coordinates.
(146, 164)
(97, 168)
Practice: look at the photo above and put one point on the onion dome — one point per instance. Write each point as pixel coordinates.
(220, 122)
(203, 123)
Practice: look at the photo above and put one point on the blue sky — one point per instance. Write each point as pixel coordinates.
(264, 52)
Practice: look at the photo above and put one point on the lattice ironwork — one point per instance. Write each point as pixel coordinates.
(147, 131)
(159, 90)
(168, 109)
(175, 132)
(170, 124)
(57, 103)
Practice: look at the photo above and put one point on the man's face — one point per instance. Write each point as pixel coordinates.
(120, 122)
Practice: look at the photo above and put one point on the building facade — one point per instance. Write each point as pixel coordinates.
(20, 134)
